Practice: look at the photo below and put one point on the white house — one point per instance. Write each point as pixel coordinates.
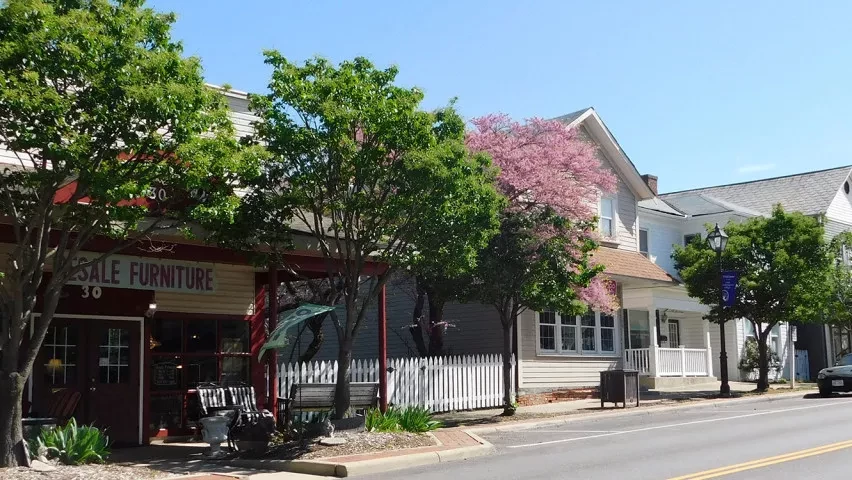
(673, 218)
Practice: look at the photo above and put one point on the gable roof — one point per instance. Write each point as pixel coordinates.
(809, 193)
(630, 264)
(605, 139)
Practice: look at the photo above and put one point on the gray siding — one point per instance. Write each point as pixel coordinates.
(475, 330)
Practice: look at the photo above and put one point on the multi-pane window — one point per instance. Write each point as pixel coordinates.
(114, 356)
(590, 333)
(547, 330)
(60, 347)
(643, 241)
(607, 214)
(185, 353)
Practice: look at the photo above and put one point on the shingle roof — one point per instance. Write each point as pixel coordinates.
(809, 193)
(570, 117)
(624, 263)
(657, 204)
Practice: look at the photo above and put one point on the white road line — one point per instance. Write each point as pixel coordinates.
(673, 425)
(568, 431)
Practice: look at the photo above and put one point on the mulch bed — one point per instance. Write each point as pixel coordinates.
(356, 443)
(82, 472)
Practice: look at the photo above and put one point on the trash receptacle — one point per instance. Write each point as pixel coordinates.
(620, 386)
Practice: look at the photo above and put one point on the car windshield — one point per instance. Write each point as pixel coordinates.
(845, 360)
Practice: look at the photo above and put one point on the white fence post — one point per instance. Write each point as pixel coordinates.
(682, 361)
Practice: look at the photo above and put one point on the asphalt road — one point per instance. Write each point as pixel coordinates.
(767, 438)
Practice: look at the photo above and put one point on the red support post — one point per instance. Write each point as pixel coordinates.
(383, 350)
(272, 400)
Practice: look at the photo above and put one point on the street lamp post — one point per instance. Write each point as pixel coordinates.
(718, 239)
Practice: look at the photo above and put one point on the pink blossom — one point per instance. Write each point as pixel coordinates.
(598, 295)
(543, 162)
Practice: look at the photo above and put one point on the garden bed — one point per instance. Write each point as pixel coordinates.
(82, 472)
(356, 443)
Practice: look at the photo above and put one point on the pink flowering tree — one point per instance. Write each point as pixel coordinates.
(540, 259)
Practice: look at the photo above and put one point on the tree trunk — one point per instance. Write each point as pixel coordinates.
(508, 407)
(763, 364)
(12, 451)
(415, 329)
(315, 326)
(341, 392)
(436, 324)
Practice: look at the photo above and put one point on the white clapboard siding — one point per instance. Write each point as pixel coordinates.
(440, 384)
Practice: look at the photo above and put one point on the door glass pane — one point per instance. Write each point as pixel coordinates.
(200, 336)
(114, 356)
(60, 356)
(674, 333)
(235, 336)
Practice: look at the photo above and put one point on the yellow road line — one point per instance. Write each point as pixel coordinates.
(765, 462)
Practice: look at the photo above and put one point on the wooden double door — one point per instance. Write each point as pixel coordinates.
(101, 360)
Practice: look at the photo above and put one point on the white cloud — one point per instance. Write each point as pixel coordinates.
(754, 168)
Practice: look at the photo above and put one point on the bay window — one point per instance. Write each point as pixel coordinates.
(592, 333)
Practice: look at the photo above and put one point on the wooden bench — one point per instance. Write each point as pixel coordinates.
(320, 397)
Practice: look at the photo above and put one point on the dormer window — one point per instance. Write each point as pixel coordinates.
(607, 222)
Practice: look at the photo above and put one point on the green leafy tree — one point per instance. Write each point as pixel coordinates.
(99, 107)
(839, 307)
(359, 169)
(783, 269)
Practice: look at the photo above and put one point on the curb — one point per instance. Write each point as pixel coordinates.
(377, 465)
(577, 417)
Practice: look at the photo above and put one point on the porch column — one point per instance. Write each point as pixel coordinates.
(383, 350)
(705, 327)
(653, 354)
(272, 400)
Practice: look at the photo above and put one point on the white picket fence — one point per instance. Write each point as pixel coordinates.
(441, 384)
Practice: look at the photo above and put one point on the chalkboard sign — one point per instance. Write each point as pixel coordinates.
(165, 374)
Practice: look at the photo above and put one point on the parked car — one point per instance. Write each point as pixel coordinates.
(837, 378)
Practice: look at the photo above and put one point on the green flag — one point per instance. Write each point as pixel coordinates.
(278, 337)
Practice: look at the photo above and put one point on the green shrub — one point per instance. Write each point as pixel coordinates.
(751, 357)
(411, 419)
(417, 420)
(72, 444)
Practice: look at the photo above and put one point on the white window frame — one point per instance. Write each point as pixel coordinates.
(614, 219)
(558, 327)
(647, 252)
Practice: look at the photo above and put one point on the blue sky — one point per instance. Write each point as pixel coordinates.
(698, 93)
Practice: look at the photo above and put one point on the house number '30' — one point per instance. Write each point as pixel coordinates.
(94, 292)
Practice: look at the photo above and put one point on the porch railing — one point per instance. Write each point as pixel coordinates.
(638, 359)
(668, 362)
